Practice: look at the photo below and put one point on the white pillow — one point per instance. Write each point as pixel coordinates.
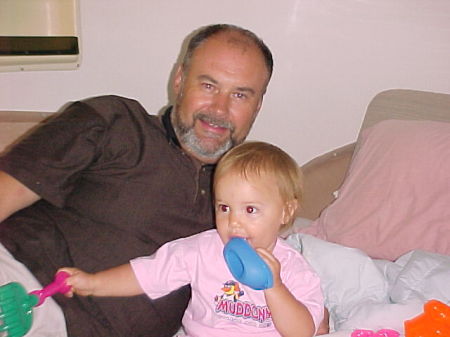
(348, 276)
(424, 276)
(415, 278)
(377, 316)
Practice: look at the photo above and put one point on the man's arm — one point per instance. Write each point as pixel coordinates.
(14, 195)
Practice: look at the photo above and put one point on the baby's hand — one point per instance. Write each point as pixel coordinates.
(82, 283)
(273, 264)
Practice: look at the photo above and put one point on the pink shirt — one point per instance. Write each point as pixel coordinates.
(220, 306)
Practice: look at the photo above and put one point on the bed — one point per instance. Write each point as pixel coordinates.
(375, 219)
(375, 222)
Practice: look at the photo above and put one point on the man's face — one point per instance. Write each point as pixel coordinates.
(218, 96)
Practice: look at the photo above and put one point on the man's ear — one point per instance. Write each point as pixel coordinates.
(255, 114)
(178, 80)
(259, 106)
(261, 99)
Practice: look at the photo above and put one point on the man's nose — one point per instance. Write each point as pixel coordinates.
(220, 103)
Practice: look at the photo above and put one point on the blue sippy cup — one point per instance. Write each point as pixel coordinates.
(246, 265)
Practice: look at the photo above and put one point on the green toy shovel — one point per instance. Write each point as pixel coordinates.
(16, 305)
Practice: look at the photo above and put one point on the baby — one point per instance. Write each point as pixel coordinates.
(257, 189)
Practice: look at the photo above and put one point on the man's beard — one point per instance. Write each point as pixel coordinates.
(186, 135)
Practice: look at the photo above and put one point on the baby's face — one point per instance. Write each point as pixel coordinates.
(249, 208)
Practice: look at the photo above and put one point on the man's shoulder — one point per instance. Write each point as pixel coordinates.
(110, 109)
(109, 99)
(112, 103)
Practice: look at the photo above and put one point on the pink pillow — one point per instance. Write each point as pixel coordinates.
(396, 196)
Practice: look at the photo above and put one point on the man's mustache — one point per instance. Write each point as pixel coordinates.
(211, 119)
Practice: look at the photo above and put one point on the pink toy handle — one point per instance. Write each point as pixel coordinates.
(57, 286)
(379, 333)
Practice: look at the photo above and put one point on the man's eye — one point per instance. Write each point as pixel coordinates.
(251, 209)
(207, 86)
(223, 208)
(240, 95)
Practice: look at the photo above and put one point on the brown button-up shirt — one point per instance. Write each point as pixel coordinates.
(115, 185)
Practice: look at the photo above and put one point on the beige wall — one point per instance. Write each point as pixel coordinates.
(331, 58)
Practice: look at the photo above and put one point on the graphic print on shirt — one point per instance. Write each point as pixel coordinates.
(231, 291)
(230, 305)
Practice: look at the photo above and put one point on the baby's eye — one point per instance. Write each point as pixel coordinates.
(223, 208)
(251, 209)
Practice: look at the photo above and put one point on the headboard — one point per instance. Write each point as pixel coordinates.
(407, 104)
(14, 124)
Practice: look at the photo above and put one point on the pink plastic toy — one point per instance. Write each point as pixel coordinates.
(379, 333)
(57, 286)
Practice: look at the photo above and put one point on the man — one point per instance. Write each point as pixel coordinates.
(103, 182)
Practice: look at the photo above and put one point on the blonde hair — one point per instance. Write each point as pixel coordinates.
(253, 158)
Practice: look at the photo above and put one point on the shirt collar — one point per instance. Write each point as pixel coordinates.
(170, 132)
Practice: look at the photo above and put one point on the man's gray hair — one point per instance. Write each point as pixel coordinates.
(205, 32)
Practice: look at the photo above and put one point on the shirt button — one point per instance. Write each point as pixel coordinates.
(202, 192)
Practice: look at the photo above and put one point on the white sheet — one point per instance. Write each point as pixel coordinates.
(362, 293)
